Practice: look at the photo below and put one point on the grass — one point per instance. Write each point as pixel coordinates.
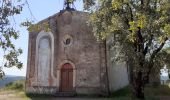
(157, 92)
(124, 92)
(14, 91)
(17, 85)
(151, 93)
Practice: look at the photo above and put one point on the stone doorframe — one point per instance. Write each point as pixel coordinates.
(59, 73)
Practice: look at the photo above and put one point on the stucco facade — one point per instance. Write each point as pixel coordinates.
(72, 42)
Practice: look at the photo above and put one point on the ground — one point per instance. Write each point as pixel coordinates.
(15, 91)
(15, 95)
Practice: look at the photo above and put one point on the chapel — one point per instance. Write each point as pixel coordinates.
(69, 59)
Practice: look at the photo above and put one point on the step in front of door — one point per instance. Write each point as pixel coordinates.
(65, 94)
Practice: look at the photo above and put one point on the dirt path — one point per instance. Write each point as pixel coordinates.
(15, 95)
(9, 95)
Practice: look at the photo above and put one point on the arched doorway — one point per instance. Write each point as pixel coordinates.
(66, 84)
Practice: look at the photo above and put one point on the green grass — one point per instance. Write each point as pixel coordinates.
(125, 92)
(151, 92)
(16, 89)
(17, 85)
(161, 90)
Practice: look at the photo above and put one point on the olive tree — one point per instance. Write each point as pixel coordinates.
(143, 28)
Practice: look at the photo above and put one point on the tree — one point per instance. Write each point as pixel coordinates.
(143, 29)
(8, 33)
(166, 57)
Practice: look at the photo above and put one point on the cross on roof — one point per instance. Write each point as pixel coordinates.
(68, 3)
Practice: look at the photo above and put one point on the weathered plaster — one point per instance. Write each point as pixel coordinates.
(84, 53)
(51, 59)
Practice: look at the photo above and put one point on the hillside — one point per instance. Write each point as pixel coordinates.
(8, 79)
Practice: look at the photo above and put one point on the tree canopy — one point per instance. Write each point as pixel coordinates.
(143, 28)
(8, 33)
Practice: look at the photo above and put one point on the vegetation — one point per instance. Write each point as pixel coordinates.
(142, 28)
(17, 85)
(151, 92)
(16, 90)
(8, 10)
(166, 59)
(8, 79)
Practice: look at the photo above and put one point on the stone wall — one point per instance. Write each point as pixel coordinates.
(117, 70)
(74, 43)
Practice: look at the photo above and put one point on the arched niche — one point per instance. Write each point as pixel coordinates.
(44, 58)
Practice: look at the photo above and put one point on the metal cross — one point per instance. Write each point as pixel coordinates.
(68, 3)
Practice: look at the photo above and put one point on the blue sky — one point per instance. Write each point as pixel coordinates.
(41, 9)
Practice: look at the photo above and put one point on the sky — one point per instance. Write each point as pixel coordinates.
(40, 10)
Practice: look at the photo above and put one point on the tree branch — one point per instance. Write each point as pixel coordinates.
(147, 4)
(151, 63)
(147, 45)
(127, 22)
(158, 49)
(131, 13)
(139, 40)
(142, 3)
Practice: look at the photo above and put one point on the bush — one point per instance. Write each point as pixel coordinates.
(16, 85)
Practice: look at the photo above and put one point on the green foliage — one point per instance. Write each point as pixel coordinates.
(88, 4)
(126, 15)
(144, 29)
(8, 34)
(70, 1)
(12, 59)
(16, 85)
(165, 57)
(152, 92)
(167, 30)
(167, 50)
(36, 27)
(127, 18)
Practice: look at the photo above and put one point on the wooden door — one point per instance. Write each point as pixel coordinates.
(66, 84)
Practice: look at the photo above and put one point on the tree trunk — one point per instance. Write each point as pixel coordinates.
(138, 86)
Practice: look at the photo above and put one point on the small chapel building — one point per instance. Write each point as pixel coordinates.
(68, 58)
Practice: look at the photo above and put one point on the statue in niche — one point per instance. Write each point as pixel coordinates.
(44, 61)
